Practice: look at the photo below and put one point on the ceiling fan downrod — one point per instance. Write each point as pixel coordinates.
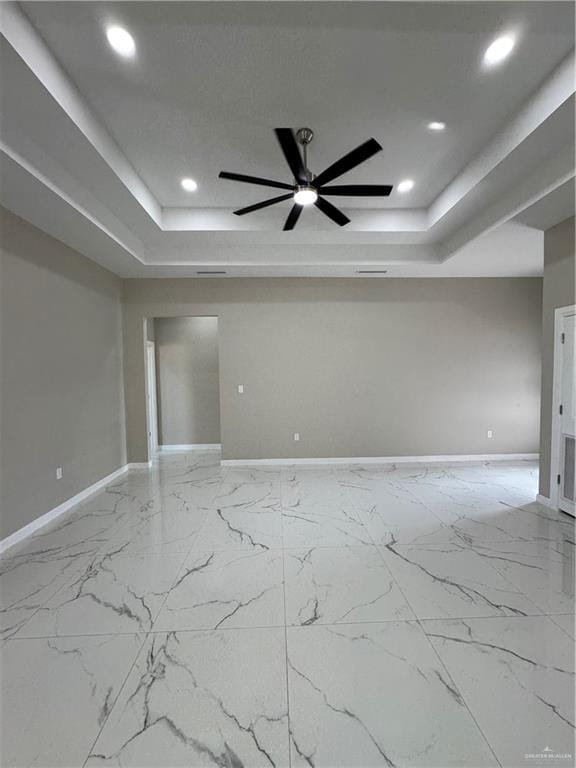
(304, 136)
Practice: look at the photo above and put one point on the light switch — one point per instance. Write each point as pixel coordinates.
(296, 436)
(240, 389)
(489, 434)
(59, 473)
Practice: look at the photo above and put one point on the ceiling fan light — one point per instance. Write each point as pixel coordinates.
(305, 196)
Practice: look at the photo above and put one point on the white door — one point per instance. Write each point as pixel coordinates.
(152, 419)
(567, 415)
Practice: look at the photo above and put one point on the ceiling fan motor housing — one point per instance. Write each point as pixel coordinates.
(304, 135)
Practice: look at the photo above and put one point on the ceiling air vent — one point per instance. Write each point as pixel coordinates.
(211, 272)
(371, 271)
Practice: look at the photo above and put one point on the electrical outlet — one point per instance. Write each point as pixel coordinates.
(58, 473)
(489, 434)
(240, 389)
(296, 437)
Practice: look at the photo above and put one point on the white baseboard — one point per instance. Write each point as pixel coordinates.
(549, 504)
(384, 459)
(139, 465)
(40, 522)
(546, 502)
(183, 448)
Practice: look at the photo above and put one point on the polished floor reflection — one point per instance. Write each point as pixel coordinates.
(353, 616)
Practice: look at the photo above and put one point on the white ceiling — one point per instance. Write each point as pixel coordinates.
(211, 81)
(104, 141)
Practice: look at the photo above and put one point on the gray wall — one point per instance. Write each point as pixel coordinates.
(358, 367)
(60, 373)
(187, 380)
(558, 291)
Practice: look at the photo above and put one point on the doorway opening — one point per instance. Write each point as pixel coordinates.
(563, 453)
(183, 384)
(151, 398)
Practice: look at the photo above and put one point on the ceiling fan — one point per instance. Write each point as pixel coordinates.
(308, 189)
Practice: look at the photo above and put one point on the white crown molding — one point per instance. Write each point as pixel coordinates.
(484, 457)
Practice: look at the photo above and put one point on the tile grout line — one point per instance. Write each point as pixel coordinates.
(560, 627)
(218, 486)
(431, 645)
(303, 627)
(392, 576)
(11, 638)
(467, 546)
(139, 651)
(515, 587)
(280, 494)
(121, 688)
(430, 642)
(418, 621)
(89, 558)
(471, 547)
(136, 657)
(459, 691)
(99, 553)
(209, 508)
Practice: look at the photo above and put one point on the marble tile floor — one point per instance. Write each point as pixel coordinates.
(324, 616)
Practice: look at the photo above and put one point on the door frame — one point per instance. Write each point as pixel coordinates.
(151, 400)
(555, 458)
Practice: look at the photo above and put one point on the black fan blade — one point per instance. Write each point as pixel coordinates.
(293, 217)
(264, 204)
(331, 211)
(349, 161)
(358, 190)
(291, 153)
(254, 180)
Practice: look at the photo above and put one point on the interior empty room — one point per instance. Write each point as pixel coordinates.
(287, 384)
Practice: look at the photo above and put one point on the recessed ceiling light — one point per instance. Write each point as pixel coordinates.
(305, 195)
(499, 50)
(436, 126)
(189, 185)
(405, 186)
(121, 40)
